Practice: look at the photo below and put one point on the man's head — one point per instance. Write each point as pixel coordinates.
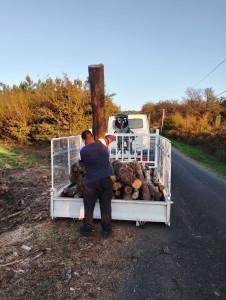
(87, 137)
(121, 121)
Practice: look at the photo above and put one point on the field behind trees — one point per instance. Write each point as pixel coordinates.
(199, 120)
(37, 112)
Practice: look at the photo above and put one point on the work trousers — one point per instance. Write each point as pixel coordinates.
(101, 189)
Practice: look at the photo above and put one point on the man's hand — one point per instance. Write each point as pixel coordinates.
(111, 138)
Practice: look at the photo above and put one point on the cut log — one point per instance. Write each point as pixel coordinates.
(75, 168)
(127, 196)
(70, 191)
(128, 189)
(113, 178)
(155, 174)
(120, 168)
(117, 185)
(78, 195)
(147, 175)
(158, 184)
(118, 193)
(131, 166)
(112, 160)
(155, 180)
(155, 194)
(135, 194)
(125, 174)
(131, 180)
(144, 188)
(77, 174)
(113, 196)
(73, 177)
(81, 183)
(77, 178)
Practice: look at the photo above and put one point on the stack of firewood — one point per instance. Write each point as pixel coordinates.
(131, 181)
(78, 180)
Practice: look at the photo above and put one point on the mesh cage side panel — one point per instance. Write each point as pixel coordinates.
(129, 147)
(164, 163)
(65, 152)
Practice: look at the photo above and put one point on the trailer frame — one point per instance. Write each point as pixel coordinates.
(150, 149)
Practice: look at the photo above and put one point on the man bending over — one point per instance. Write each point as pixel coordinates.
(94, 155)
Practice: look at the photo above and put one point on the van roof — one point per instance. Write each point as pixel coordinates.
(134, 116)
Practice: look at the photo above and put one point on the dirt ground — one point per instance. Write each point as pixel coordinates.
(41, 258)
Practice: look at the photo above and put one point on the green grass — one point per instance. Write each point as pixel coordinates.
(201, 156)
(15, 156)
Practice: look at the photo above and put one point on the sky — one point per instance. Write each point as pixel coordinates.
(152, 50)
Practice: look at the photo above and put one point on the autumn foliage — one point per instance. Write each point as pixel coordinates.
(35, 112)
(199, 120)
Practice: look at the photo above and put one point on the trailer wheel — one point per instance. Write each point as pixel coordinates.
(140, 223)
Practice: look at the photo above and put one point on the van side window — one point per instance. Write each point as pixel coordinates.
(135, 123)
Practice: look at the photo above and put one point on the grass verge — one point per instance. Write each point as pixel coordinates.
(201, 156)
(16, 156)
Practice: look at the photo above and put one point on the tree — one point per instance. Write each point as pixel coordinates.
(27, 85)
(193, 104)
(33, 112)
(213, 105)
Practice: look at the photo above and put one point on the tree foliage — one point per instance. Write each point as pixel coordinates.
(34, 112)
(200, 119)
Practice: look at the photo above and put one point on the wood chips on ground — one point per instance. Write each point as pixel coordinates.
(42, 258)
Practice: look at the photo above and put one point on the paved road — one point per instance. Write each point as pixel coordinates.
(195, 268)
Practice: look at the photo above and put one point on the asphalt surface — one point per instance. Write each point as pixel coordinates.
(195, 267)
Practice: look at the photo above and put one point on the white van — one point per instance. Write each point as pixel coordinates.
(138, 123)
(134, 142)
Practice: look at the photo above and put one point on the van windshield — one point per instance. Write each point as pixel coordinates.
(135, 123)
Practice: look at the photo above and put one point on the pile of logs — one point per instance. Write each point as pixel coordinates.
(131, 181)
(78, 180)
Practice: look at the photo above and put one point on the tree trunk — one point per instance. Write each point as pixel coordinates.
(96, 79)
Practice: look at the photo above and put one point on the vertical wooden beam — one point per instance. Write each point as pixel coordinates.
(96, 79)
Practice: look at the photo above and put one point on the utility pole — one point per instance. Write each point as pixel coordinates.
(149, 119)
(96, 79)
(163, 115)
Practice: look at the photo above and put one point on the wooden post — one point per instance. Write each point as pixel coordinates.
(96, 79)
(163, 115)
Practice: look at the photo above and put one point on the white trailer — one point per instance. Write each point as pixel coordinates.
(151, 149)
